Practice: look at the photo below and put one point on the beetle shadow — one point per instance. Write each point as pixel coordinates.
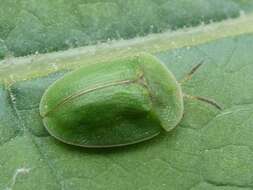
(156, 141)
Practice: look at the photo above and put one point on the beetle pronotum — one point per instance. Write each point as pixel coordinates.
(115, 104)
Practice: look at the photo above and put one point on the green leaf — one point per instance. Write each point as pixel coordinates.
(210, 149)
(28, 26)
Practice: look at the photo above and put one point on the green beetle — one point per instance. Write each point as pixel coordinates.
(113, 104)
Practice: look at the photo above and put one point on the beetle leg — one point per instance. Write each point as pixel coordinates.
(203, 99)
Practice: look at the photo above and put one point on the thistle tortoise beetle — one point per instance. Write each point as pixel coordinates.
(115, 103)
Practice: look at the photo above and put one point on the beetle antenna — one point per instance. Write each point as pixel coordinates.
(203, 99)
(193, 70)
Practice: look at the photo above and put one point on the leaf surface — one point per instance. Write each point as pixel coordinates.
(28, 26)
(210, 149)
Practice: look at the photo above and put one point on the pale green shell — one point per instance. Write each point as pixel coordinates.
(113, 104)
